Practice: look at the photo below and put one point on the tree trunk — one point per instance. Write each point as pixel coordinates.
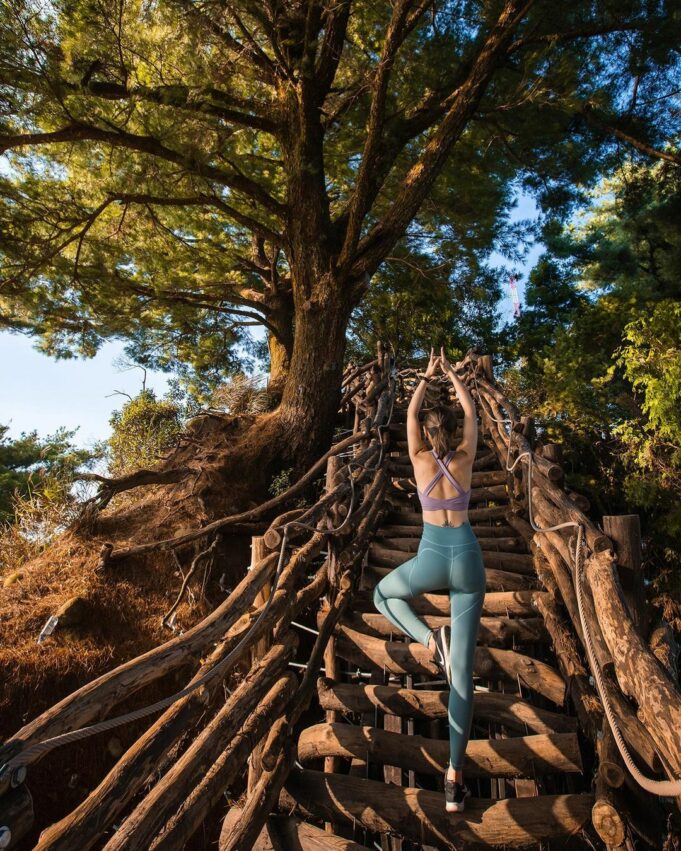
(312, 391)
(280, 346)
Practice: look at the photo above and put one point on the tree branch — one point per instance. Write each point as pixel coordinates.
(398, 30)
(259, 60)
(332, 46)
(200, 200)
(201, 99)
(420, 177)
(585, 32)
(639, 144)
(76, 132)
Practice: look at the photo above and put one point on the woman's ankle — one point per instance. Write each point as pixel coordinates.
(455, 774)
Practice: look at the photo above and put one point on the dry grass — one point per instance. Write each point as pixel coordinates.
(123, 619)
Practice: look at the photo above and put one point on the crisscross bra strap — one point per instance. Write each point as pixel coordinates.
(443, 470)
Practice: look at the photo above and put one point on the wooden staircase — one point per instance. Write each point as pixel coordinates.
(373, 770)
(342, 743)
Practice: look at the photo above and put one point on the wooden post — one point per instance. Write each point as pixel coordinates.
(625, 532)
(332, 668)
(333, 519)
(554, 452)
(258, 650)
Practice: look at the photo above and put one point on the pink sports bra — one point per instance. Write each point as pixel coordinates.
(455, 503)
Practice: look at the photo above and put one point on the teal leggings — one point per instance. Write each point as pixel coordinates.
(448, 557)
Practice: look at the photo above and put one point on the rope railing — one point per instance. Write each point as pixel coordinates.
(469, 366)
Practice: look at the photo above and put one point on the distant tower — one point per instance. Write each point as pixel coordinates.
(514, 296)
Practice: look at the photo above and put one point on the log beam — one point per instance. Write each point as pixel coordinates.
(419, 815)
(520, 756)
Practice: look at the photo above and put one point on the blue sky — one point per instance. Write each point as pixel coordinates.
(41, 393)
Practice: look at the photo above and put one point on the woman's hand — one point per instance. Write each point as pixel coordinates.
(444, 363)
(433, 364)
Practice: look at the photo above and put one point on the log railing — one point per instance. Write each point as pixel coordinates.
(305, 554)
(637, 675)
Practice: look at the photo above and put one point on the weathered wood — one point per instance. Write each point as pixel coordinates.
(223, 770)
(227, 767)
(274, 535)
(638, 739)
(607, 816)
(513, 757)
(480, 530)
(579, 500)
(153, 813)
(625, 532)
(258, 649)
(610, 765)
(475, 515)
(399, 658)
(554, 547)
(521, 563)
(91, 818)
(419, 815)
(508, 709)
(607, 820)
(486, 366)
(478, 494)
(283, 833)
(663, 644)
(584, 698)
(332, 668)
(410, 545)
(517, 603)
(639, 673)
(495, 580)
(16, 816)
(556, 504)
(224, 523)
(263, 798)
(495, 631)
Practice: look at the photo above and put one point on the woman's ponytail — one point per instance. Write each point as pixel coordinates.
(440, 424)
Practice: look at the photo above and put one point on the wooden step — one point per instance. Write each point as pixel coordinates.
(475, 515)
(399, 657)
(520, 756)
(522, 603)
(483, 493)
(483, 478)
(496, 580)
(493, 631)
(514, 712)
(522, 563)
(420, 815)
(485, 459)
(410, 545)
(481, 531)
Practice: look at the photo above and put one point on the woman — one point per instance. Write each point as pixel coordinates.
(449, 556)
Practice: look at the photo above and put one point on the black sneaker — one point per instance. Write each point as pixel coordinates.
(455, 795)
(442, 636)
